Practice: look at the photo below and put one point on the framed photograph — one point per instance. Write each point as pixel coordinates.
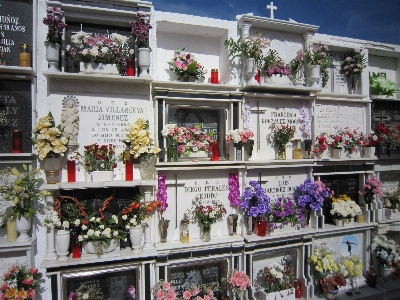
(185, 275)
(116, 282)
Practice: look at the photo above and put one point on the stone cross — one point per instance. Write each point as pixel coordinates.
(271, 7)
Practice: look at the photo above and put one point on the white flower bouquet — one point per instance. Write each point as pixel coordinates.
(386, 251)
(344, 208)
(48, 137)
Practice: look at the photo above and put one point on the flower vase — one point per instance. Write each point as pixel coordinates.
(147, 167)
(353, 83)
(251, 71)
(52, 167)
(164, 223)
(239, 151)
(339, 222)
(280, 152)
(98, 68)
(233, 220)
(53, 56)
(371, 278)
(63, 238)
(287, 294)
(99, 247)
(88, 177)
(336, 153)
(144, 61)
(315, 74)
(308, 148)
(205, 234)
(386, 273)
(136, 235)
(366, 152)
(102, 176)
(354, 285)
(172, 152)
(23, 225)
(331, 295)
(348, 222)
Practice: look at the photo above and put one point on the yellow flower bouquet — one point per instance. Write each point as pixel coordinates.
(322, 262)
(48, 137)
(350, 266)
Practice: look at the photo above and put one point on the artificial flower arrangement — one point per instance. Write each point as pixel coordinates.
(20, 282)
(389, 134)
(140, 30)
(343, 208)
(67, 215)
(138, 212)
(281, 135)
(350, 266)
(105, 49)
(380, 85)
(55, 25)
(351, 139)
(48, 139)
(296, 67)
(250, 47)
(239, 137)
(273, 64)
(305, 121)
(354, 63)
(99, 158)
(254, 200)
(185, 65)
(322, 262)
(172, 132)
(87, 291)
(321, 143)
(310, 195)
(22, 191)
(318, 55)
(392, 199)
(279, 276)
(163, 290)
(386, 251)
(206, 213)
(333, 283)
(239, 282)
(371, 187)
(369, 140)
(285, 210)
(138, 140)
(193, 139)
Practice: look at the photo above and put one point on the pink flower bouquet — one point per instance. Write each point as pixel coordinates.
(239, 282)
(239, 137)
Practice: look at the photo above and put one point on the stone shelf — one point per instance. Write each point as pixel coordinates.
(91, 185)
(16, 70)
(343, 97)
(280, 89)
(97, 77)
(19, 158)
(8, 247)
(204, 86)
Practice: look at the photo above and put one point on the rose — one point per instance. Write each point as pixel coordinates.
(34, 270)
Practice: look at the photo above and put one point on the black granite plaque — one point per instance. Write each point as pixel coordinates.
(15, 99)
(184, 277)
(15, 28)
(102, 283)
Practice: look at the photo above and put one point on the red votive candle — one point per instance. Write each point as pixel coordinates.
(215, 151)
(214, 76)
(76, 251)
(16, 141)
(128, 170)
(130, 70)
(71, 170)
(297, 288)
(262, 226)
(258, 76)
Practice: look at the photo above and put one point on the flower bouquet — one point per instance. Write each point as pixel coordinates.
(321, 143)
(239, 137)
(193, 139)
(163, 290)
(351, 140)
(318, 55)
(371, 187)
(354, 63)
(369, 140)
(140, 30)
(344, 210)
(55, 25)
(296, 68)
(99, 157)
(138, 212)
(279, 277)
(286, 211)
(392, 200)
(206, 214)
(280, 136)
(20, 282)
(389, 134)
(331, 284)
(274, 65)
(239, 282)
(380, 85)
(350, 266)
(185, 65)
(311, 195)
(386, 251)
(254, 200)
(48, 139)
(22, 191)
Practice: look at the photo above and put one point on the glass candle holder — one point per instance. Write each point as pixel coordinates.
(184, 231)
(25, 56)
(128, 170)
(262, 226)
(71, 170)
(215, 151)
(297, 288)
(12, 233)
(130, 67)
(16, 141)
(297, 151)
(214, 76)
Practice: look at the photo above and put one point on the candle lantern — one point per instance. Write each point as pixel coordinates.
(214, 76)
(128, 170)
(25, 56)
(215, 151)
(71, 170)
(16, 141)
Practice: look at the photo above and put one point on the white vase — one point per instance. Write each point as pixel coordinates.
(136, 235)
(62, 244)
(315, 74)
(94, 68)
(391, 213)
(348, 222)
(91, 247)
(100, 176)
(386, 274)
(144, 61)
(197, 154)
(88, 177)
(281, 295)
(339, 222)
(336, 153)
(366, 152)
(275, 228)
(53, 56)
(251, 71)
(23, 225)
(282, 79)
(270, 79)
(52, 168)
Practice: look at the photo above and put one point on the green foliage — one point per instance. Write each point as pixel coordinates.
(380, 85)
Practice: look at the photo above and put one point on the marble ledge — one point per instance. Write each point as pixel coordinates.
(343, 97)
(17, 71)
(109, 78)
(6, 246)
(53, 266)
(278, 88)
(91, 185)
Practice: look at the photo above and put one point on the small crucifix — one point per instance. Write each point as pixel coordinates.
(271, 7)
